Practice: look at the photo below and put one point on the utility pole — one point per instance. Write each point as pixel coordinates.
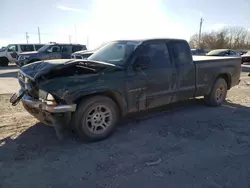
(27, 37)
(87, 41)
(201, 22)
(75, 35)
(38, 29)
(69, 39)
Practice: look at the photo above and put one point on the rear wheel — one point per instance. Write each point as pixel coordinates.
(218, 93)
(95, 118)
(4, 62)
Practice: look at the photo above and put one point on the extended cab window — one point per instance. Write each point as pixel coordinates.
(181, 52)
(27, 48)
(158, 54)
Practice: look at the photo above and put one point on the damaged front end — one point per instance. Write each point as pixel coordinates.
(44, 84)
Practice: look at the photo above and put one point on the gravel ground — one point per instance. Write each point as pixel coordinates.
(183, 145)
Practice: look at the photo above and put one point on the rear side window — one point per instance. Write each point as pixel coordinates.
(38, 46)
(78, 48)
(27, 48)
(181, 52)
(67, 49)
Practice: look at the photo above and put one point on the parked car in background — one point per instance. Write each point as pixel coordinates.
(223, 52)
(11, 52)
(198, 52)
(84, 54)
(49, 51)
(122, 77)
(2, 48)
(245, 58)
(242, 52)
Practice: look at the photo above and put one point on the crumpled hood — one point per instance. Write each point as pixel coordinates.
(40, 68)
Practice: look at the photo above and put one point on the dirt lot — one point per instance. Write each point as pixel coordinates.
(185, 145)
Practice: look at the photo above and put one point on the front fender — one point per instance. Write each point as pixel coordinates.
(72, 96)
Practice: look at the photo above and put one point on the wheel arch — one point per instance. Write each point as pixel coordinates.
(113, 94)
(227, 77)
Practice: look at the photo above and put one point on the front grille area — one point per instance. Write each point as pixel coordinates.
(33, 93)
(26, 83)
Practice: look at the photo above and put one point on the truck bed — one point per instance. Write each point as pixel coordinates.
(209, 67)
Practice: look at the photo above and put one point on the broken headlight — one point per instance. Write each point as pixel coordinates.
(47, 98)
(42, 94)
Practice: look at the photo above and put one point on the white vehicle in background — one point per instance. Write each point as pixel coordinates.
(223, 52)
(10, 53)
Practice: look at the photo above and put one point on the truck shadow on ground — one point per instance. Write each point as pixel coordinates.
(164, 122)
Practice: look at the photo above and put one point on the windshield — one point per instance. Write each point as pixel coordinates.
(216, 52)
(248, 53)
(44, 48)
(115, 52)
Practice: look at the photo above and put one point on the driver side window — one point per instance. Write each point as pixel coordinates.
(158, 54)
(56, 49)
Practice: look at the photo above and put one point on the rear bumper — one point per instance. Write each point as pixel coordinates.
(47, 114)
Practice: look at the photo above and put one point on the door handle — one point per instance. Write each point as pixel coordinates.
(173, 74)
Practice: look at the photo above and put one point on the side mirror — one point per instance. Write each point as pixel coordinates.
(50, 50)
(141, 62)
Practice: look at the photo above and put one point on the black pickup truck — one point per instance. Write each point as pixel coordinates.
(121, 77)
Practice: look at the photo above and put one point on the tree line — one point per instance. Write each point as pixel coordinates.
(237, 38)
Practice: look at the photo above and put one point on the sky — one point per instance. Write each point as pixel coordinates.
(93, 22)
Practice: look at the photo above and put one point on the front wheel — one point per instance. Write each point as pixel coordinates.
(95, 118)
(218, 93)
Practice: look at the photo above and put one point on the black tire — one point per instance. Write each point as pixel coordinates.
(218, 93)
(84, 125)
(4, 62)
